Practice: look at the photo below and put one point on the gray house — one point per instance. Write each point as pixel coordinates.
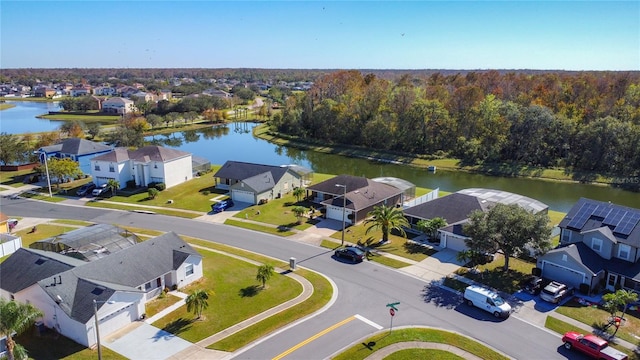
(251, 183)
(599, 247)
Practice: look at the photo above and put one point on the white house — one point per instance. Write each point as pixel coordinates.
(117, 105)
(150, 164)
(64, 288)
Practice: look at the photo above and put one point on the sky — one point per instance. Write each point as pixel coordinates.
(455, 35)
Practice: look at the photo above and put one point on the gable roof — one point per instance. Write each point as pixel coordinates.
(329, 186)
(118, 155)
(453, 208)
(144, 154)
(41, 265)
(238, 170)
(261, 182)
(76, 146)
(588, 214)
(361, 198)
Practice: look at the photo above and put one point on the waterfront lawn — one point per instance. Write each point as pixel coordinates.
(6, 106)
(14, 178)
(235, 295)
(385, 338)
(83, 118)
(492, 275)
(278, 212)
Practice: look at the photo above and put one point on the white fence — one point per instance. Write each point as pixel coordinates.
(422, 199)
(9, 244)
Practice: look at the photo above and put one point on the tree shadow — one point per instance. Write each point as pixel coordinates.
(177, 326)
(250, 291)
(415, 248)
(435, 294)
(287, 227)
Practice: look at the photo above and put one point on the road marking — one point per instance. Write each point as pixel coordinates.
(367, 321)
(323, 332)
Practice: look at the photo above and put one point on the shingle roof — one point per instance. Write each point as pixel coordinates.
(237, 170)
(453, 208)
(329, 186)
(118, 155)
(371, 194)
(261, 182)
(76, 146)
(581, 253)
(144, 154)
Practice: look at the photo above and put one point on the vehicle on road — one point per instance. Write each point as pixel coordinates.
(350, 252)
(592, 345)
(99, 190)
(533, 285)
(222, 205)
(555, 292)
(86, 189)
(486, 300)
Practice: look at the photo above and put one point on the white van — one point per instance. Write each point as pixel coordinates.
(486, 300)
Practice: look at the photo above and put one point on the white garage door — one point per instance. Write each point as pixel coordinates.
(562, 274)
(334, 212)
(455, 243)
(243, 196)
(118, 319)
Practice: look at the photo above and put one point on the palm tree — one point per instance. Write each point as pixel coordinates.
(298, 211)
(197, 302)
(114, 185)
(15, 318)
(264, 273)
(299, 193)
(386, 219)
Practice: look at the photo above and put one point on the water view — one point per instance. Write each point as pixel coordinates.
(236, 142)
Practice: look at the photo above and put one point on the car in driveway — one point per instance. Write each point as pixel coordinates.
(350, 253)
(555, 292)
(99, 190)
(533, 285)
(592, 345)
(222, 205)
(86, 189)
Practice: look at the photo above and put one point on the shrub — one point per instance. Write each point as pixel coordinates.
(153, 192)
(161, 186)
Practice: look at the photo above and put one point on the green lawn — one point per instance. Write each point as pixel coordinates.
(6, 106)
(83, 118)
(562, 327)
(492, 274)
(235, 296)
(14, 178)
(386, 338)
(258, 227)
(380, 259)
(130, 207)
(278, 212)
(49, 346)
(411, 354)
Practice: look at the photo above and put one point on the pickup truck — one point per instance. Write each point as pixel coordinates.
(592, 345)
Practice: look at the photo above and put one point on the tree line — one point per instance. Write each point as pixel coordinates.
(584, 122)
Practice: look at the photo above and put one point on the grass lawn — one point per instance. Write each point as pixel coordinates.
(160, 303)
(44, 231)
(127, 207)
(6, 106)
(492, 274)
(562, 327)
(258, 227)
(49, 346)
(84, 118)
(383, 339)
(380, 259)
(278, 212)
(454, 284)
(235, 295)
(411, 354)
(14, 178)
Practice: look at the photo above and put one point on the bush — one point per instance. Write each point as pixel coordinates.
(157, 185)
(153, 192)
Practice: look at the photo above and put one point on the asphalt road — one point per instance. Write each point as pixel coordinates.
(364, 290)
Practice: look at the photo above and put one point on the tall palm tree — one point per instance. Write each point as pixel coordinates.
(265, 272)
(299, 193)
(386, 219)
(15, 318)
(197, 301)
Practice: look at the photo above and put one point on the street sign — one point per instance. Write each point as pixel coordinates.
(392, 312)
(393, 305)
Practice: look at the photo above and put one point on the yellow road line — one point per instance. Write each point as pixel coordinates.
(329, 329)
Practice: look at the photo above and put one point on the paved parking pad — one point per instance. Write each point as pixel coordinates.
(147, 342)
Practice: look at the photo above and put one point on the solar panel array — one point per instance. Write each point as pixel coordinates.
(623, 221)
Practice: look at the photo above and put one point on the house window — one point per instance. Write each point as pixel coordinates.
(147, 286)
(188, 270)
(111, 168)
(155, 166)
(96, 168)
(624, 251)
(596, 244)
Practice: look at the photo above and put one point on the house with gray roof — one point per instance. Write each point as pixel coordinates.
(149, 164)
(456, 208)
(599, 248)
(64, 287)
(251, 183)
(76, 149)
(361, 194)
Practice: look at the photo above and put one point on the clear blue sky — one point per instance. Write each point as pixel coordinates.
(545, 35)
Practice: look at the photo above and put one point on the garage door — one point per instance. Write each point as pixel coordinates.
(455, 243)
(243, 196)
(118, 319)
(334, 212)
(562, 274)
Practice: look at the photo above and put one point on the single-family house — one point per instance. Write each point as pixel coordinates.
(252, 183)
(362, 195)
(117, 105)
(126, 91)
(76, 149)
(105, 91)
(64, 288)
(81, 90)
(43, 91)
(143, 96)
(217, 93)
(456, 208)
(599, 248)
(149, 164)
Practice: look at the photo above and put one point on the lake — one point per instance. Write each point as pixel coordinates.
(236, 142)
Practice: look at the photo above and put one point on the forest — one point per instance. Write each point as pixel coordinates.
(584, 122)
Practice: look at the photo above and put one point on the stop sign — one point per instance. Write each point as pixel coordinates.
(392, 312)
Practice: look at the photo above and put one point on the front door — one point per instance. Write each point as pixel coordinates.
(611, 282)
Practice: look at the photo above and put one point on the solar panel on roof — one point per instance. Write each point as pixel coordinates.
(614, 217)
(582, 216)
(602, 211)
(628, 223)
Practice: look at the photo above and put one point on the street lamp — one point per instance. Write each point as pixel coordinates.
(95, 315)
(344, 208)
(46, 167)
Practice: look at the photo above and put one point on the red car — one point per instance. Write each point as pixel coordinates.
(592, 345)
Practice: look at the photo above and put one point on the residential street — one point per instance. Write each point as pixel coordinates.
(363, 290)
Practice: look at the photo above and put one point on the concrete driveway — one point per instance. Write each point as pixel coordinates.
(145, 342)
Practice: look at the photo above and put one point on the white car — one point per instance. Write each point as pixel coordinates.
(99, 190)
